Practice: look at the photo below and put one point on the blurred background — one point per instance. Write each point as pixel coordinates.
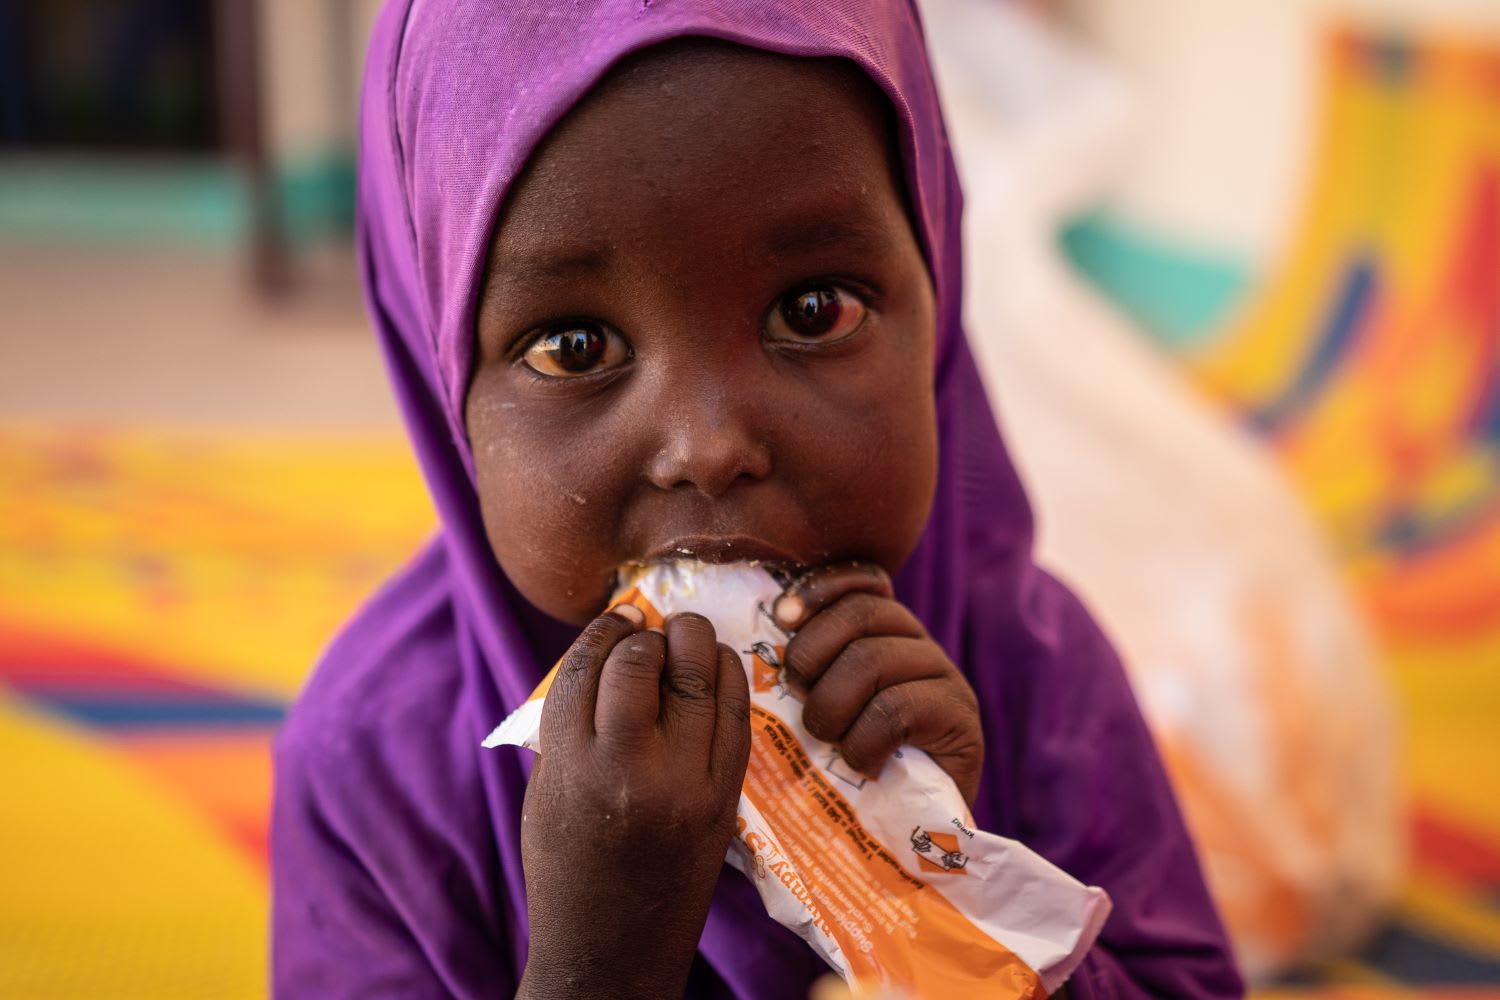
(1234, 278)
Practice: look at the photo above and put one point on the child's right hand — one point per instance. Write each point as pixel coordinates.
(631, 808)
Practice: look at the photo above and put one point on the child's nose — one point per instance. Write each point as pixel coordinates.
(706, 445)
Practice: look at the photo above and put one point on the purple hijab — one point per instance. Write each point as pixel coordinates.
(395, 838)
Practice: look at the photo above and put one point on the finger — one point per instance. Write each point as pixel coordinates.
(823, 585)
(731, 746)
(853, 616)
(568, 712)
(934, 716)
(629, 689)
(862, 670)
(689, 685)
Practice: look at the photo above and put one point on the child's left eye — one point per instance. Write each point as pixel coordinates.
(820, 313)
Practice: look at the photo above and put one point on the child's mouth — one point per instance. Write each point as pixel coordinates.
(720, 549)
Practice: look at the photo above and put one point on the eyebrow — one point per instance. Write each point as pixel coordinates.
(543, 267)
(852, 230)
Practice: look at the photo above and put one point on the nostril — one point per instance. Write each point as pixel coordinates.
(710, 463)
(712, 487)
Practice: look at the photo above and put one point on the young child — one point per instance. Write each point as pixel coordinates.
(673, 278)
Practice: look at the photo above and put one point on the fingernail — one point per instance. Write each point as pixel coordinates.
(788, 609)
(636, 615)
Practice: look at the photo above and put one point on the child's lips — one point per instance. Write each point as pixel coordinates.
(720, 549)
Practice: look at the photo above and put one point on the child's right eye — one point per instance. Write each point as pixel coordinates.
(820, 313)
(576, 348)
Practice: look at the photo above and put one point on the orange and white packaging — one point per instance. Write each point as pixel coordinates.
(887, 878)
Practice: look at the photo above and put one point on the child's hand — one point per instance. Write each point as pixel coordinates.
(874, 680)
(631, 808)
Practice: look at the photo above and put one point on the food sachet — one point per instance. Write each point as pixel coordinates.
(887, 878)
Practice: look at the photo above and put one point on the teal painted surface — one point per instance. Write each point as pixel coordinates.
(317, 197)
(1181, 295)
(193, 201)
(199, 201)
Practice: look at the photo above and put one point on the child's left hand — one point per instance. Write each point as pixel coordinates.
(872, 677)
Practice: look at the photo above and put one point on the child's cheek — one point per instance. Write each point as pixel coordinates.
(877, 482)
(548, 523)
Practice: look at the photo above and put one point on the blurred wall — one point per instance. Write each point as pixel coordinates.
(312, 56)
(290, 161)
(1227, 130)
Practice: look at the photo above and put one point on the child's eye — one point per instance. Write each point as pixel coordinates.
(822, 313)
(576, 348)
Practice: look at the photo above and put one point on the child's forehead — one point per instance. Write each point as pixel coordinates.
(754, 142)
(694, 97)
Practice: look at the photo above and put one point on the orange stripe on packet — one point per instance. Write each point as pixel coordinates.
(859, 893)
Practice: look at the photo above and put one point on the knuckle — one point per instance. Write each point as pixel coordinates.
(695, 657)
(580, 657)
(967, 702)
(963, 730)
(692, 673)
(594, 642)
(642, 651)
(855, 612)
(862, 657)
(690, 685)
(891, 710)
(955, 696)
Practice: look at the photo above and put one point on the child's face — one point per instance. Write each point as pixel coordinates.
(706, 330)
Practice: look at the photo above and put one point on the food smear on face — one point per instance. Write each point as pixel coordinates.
(887, 878)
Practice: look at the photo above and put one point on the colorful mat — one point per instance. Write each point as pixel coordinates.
(161, 598)
(1371, 364)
